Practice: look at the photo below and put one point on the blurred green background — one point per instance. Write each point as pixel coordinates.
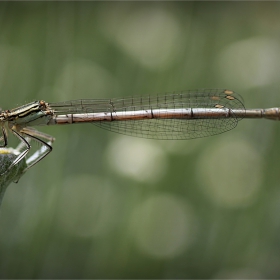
(104, 205)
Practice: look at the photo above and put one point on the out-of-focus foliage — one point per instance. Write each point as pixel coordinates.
(102, 205)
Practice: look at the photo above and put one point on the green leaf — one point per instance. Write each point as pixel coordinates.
(12, 175)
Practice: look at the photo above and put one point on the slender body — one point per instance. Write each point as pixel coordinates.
(178, 115)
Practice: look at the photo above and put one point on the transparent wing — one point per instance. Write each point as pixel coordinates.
(165, 129)
(168, 128)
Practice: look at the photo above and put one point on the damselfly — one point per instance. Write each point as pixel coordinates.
(178, 115)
